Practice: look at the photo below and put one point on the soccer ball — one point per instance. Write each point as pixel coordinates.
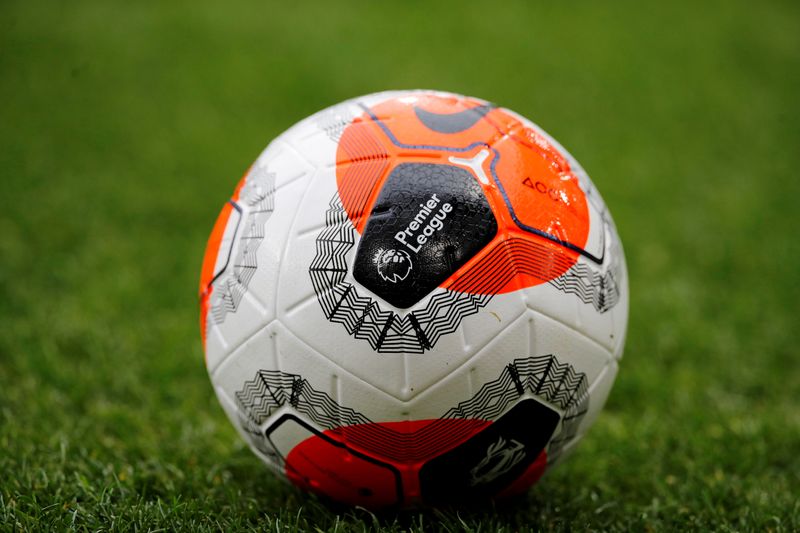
(413, 298)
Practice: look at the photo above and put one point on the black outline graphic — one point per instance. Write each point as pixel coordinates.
(258, 195)
(362, 317)
(543, 377)
(224, 268)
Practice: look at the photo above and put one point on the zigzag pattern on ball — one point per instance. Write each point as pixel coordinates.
(362, 317)
(545, 378)
(542, 377)
(334, 120)
(258, 198)
(560, 385)
(271, 389)
(592, 287)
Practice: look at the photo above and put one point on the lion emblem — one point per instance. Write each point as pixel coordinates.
(393, 265)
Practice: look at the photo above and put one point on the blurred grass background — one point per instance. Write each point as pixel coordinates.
(124, 127)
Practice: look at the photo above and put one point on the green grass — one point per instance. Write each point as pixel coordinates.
(125, 125)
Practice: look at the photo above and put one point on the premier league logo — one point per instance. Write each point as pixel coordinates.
(393, 265)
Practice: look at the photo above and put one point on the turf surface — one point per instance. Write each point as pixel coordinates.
(124, 126)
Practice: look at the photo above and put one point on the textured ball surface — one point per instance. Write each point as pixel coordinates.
(413, 298)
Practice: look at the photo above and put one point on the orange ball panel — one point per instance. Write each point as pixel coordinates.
(527, 182)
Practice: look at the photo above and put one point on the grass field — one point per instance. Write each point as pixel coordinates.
(124, 126)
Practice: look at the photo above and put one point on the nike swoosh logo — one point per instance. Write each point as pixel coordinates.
(452, 122)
